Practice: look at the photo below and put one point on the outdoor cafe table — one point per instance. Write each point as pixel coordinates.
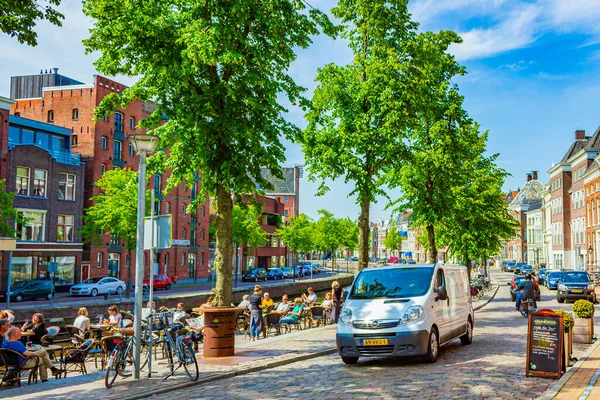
(50, 349)
(26, 333)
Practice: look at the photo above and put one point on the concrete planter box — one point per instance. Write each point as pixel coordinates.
(568, 337)
(583, 331)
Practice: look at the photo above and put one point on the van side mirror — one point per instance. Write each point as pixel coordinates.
(442, 294)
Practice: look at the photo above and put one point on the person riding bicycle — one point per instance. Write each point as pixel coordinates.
(526, 292)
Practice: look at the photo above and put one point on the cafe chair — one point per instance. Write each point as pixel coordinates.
(53, 331)
(73, 358)
(272, 321)
(316, 316)
(72, 331)
(13, 368)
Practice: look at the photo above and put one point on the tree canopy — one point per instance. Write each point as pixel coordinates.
(246, 231)
(216, 70)
(299, 234)
(393, 240)
(19, 17)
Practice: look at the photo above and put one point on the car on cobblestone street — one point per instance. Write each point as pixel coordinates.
(257, 274)
(275, 273)
(552, 279)
(517, 280)
(405, 310)
(542, 275)
(575, 285)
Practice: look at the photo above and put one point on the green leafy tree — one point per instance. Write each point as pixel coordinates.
(19, 17)
(8, 214)
(441, 138)
(299, 234)
(216, 69)
(246, 230)
(349, 234)
(114, 211)
(361, 110)
(393, 240)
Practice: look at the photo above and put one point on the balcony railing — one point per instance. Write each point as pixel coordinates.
(61, 156)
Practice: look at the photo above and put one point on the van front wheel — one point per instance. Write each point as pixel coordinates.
(434, 346)
(467, 338)
(349, 360)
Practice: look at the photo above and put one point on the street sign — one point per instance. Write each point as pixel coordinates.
(52, 267)
(162, 232)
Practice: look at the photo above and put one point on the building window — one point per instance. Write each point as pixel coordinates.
(157, 185)
(99, 260)
(194, 186)
(17, 114)
(193, 237)
(183, 259)
(183, 234)
(286, 199)
(166, 262)
(104, 142)
(183, 209)
(75, 114)
(202, 211)
(102, 169)
(202, 234)
(33, 229)
(39, 183)
(167, 207)
(201, 259)
(156, 207)
(118, 123)
(113, 265)
(74, 141)
(192, 266)
(130, 150)
(66, 186)
(23, 181)
(50, 115)
(118, 148)
(285, 213)
(131, 123)
(105, 118)
(64, 228)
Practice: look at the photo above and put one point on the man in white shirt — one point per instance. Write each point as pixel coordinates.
(311, 299)
(245, 304)
(284, 306)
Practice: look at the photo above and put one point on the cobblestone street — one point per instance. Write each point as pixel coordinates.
(493, 367)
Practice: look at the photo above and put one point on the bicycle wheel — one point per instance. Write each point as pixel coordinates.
(115, 366)
(188, 359)
(144, 355)
(168, 352)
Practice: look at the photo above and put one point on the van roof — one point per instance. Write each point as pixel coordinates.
(396, 266)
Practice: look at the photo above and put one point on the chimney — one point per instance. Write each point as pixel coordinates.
(534, 175)
(580, 134)
(55, 70)
(528, 177)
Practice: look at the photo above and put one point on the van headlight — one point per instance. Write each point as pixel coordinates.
(412, 313)
(346, 316)
(562, 287)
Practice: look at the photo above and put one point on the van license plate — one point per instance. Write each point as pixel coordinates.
(375, 342)
(576, 291)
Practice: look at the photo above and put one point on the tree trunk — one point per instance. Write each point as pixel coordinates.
(224, 248)
(432, 249)
(364, 237)
(468, 264)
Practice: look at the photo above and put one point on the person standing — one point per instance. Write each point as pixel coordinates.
(336, 293)
(256, 318)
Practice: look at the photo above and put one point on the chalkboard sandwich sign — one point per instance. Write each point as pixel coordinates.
(545, 344)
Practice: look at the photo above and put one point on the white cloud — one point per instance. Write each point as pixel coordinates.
(552, 77)
(518, 66)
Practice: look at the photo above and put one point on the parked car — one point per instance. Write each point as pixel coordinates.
(95, 286)
(517, 280)
(288, 272)
(575, 285)
(509, 266)
(30, 290)
(526, 269)
(411, 261)
(275, 273)
(317, 267)
(518, 267)
(380, 317)
(542, 275)
(553, 279)
(257, 274)
(394, 260)
(402, 261)
(159, 282)
(298, 272)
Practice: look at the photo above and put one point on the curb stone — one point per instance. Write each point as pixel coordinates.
(480, 306)
(555, 387)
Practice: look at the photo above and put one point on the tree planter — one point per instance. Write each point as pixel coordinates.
(568, 338)
(583, 331)
(219, 331)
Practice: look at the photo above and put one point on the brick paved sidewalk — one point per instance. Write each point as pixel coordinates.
(581, 382)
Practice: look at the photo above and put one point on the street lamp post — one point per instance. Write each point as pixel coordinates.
(142, 144)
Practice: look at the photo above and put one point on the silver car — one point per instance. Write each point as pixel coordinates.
(95, 286)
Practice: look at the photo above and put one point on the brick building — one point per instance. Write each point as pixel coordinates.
(591, 181)
(104, 146)
(287, 190)
(48, 180)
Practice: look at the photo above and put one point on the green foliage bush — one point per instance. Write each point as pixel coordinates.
(583, 309)
(567, 319)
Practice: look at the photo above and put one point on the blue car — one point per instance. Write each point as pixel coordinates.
(542, 275)
(552, 279)
(275, 273)
(526, 269)
(509, 266)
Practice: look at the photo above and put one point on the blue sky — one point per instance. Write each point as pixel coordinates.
(533, 68)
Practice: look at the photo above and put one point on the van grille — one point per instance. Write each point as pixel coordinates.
(375, 324)
(368, 335)
(375, 350)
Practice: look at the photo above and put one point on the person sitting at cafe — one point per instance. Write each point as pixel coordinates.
(245, 304)
(36, 326)
(8, 314)
(197, 330)
(328, 305)
(311, 299)
(114, 316)
(294, 315)
(284, 307)
(4, 327)
(147, 311)
(266, 303)
(42, 361)
(179, 312)
(82, 321)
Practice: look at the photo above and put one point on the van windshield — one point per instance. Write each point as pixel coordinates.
(392, 283)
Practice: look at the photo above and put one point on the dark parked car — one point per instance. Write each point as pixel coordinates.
(509, 266)
(298, 272)
(275, 273)
(552, 279)
(30, 290)
(517, 280)
(542, 275)
(257, 274)
(526, 269)
(518, 267)
(411, 261)
(354, 258)
(575, 285)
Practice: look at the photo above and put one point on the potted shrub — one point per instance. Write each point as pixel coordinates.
(568, 323)
(583, 331)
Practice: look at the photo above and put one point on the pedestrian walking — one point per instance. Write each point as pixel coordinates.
(256, 318)
(336, 293)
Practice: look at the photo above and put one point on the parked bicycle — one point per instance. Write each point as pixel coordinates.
(122, 355)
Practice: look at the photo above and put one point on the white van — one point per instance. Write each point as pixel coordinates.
(405, 310)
